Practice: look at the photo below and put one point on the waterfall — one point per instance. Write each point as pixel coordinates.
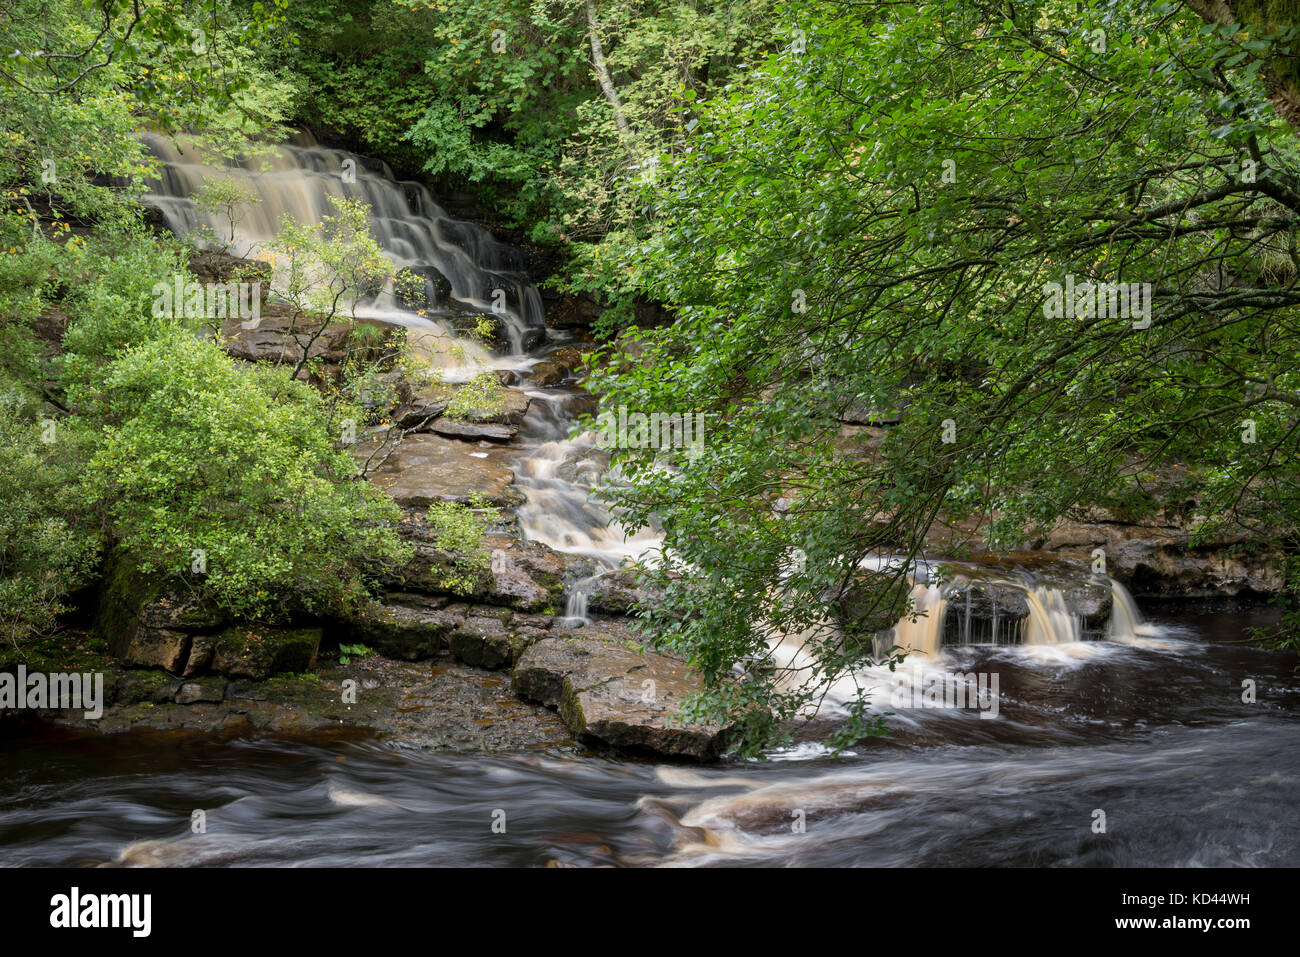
(1125, 619)
(1050, 622)
(924, 635)
(575, 603)
(464, 269)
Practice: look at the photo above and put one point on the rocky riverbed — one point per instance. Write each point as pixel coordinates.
(496, 663)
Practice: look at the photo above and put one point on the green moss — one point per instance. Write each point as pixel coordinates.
(67, 651)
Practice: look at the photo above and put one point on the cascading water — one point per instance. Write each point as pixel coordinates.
(558, 474)
(1125, 619)
(1050, 622)
(464, 269)
(922, 631)
(943, 616)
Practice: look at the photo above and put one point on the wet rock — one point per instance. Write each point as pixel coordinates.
(560, 365)
(857, 412)
(429, 468)
(278, 338)
(547, 374)
(532, 339)
(434, 705)
(420, 413)
(617, 592)
(571, 311)
(606, 688)
(981, 612)
(540, 622)
(259, 652)
(527, 576)
(510, 410)
(147, 620)
(990, 604)
(157, 648)
(202, 648)
(154, 687)
(493, 638)
(514, 406)
(210, 690)
(215, 265)
(523, 576)
(439, 705)
(405, 626)
(1160, 561)
(474, 431)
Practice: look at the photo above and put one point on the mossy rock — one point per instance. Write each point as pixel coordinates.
(253, 651)
(143, 618)
(137, 687)
(408, 627)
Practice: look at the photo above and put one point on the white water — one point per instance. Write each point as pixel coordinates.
(1050, 622)
(463, 266)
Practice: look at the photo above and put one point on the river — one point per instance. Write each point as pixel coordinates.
(1156, 737)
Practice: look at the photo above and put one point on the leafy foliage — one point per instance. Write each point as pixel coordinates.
(459, 529)
(872, 226)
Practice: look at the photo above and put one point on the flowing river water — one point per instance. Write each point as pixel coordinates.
(1147, 726)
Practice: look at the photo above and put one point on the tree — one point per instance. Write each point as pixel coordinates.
(889, 221)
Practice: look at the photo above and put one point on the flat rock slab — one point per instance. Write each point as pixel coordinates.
(429, 468)
(510, 410)
(607, 688)
(435, 705)
(474, 431)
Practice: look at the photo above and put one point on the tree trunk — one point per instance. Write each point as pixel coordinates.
(602, 74)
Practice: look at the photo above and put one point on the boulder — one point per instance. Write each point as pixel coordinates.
(474, 431)
(420, 413)
(616, 592)
(522, 576)
(215, 265)
(257, 652)
(607, 688)
(148, 621)
(547, 374)
(157, 648)
(405, 626)
(491, 638)
(429, 468)
(562, 364)
(153, 687)
(277, 338)
(571, 311)
(527, 576)
(209, 690)
(511, 410)
(202, 648)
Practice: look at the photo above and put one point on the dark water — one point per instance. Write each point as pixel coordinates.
(1155, 735)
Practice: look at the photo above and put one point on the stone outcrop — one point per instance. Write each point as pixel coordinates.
(429, 468)
(167, 623)
(1157, 559)
(607, 688)
(253, 651)
(522, 576)
(405, 626)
